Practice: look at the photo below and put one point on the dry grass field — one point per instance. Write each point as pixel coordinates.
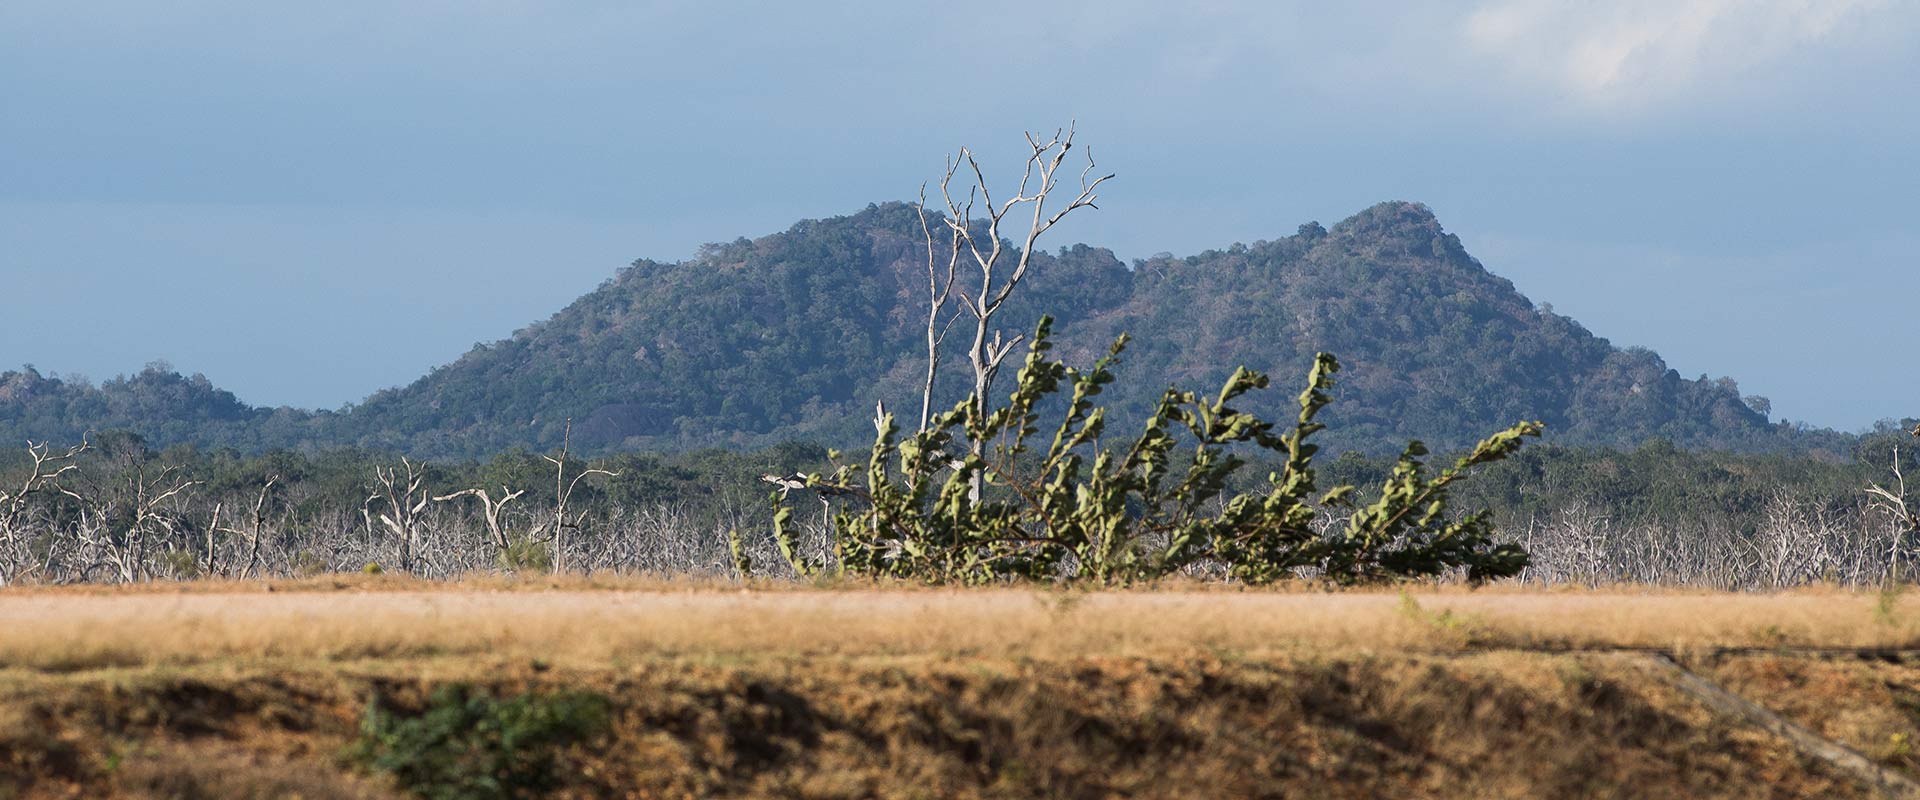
(346, 619)
(260, 690)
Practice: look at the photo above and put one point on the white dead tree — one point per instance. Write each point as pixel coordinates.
(939, 289)
(1795, 543)
(149, 519)
(255, 530)
(1900, 512)
(44, 475)
(1000, 271)
(405, 499)
(563, 489)
(491, 512)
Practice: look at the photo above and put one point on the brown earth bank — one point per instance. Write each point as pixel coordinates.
(1008, 693)
(1483, 725)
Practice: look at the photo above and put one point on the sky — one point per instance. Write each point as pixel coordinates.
(310, 202)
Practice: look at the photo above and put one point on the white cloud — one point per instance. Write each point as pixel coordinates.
(1632, 54)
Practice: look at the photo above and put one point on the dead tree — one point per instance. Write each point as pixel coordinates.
(557, 525)
(146, 519)
(939, 290)
(43, 476)
(404, 499)
(1901, 513)
(998, 278)
(491, 511)
(256, 529)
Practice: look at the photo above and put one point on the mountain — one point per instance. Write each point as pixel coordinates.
(796, 335)
(1435, 346)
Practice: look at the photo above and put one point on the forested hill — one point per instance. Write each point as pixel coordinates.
(798, 334)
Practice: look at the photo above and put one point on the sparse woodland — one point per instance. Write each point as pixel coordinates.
(116, 511)
(113, 511)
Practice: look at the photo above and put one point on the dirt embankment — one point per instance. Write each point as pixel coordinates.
(1397, 725)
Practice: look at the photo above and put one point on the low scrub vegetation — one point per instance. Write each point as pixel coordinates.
(469, 745)
(1073, 509)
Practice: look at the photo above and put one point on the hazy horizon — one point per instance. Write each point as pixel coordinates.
(310, 204)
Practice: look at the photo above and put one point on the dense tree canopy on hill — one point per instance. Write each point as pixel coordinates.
(796, 335)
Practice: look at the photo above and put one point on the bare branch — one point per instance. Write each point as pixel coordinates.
(1039, 179)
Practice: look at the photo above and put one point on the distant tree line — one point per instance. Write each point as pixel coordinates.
(124, 511)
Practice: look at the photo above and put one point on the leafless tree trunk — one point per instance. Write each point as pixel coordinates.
(562, 495)
(1901, 514)
(121, 527)
(491, 511)
(151, 519)
(44, 475)
(404, 499)
(939, 289)
(989, 349)
(252, 535)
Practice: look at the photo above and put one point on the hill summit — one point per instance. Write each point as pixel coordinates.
(796, 335)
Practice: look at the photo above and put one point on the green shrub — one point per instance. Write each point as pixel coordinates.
(181, 564)
(526, 554)
(1078, 511)
(467, 744)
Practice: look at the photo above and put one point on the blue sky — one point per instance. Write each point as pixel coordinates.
(309, 202)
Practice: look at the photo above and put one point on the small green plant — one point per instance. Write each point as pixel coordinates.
(372, 568)
(1443, 620)
(737, 549)
(181, 564)
(1459, 630)
(977, 496)
(1771, 636)
(1575, 674)
(1411, 608)
(1899, 747)
(1061, 602)
(526, 554)
(467, 744)
(307, 564)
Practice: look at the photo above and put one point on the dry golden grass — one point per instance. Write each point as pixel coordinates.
(1869, 704)
(64, 631)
